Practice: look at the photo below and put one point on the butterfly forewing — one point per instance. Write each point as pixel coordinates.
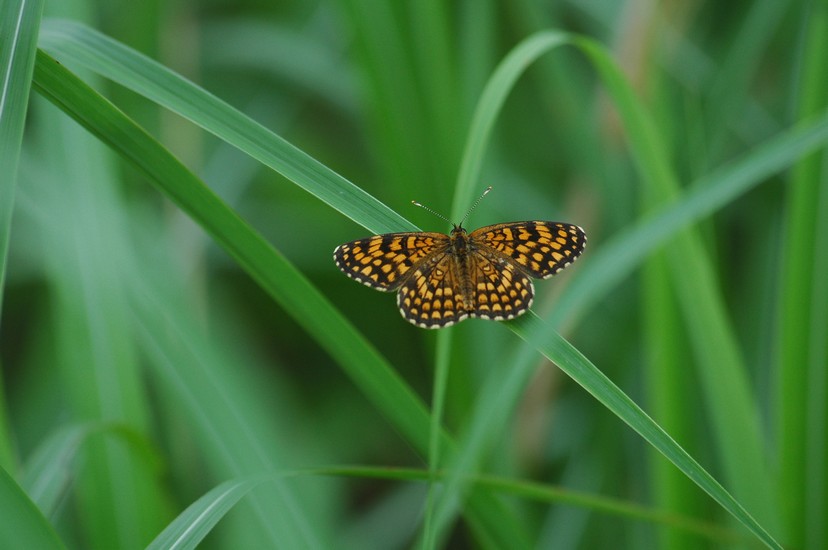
(383, 261)
(540, 248)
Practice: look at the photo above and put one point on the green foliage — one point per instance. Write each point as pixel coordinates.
(179, 358)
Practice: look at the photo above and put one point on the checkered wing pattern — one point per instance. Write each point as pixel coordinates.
(383, 261)
(432, 296)
(539, 248)
(499, 289)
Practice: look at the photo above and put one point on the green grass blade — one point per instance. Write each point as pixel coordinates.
(123, 498)
(801, 412)
(619, 256)
(730, 84)
(50, 470)
(23, 524)
(19, 24)
(724, 379)
(543, 493)
(441, 372)
(723, 375)
(281, 53)
(616, 508)
(488, 108)
(532, 329)
(666, 378)
(816, 490)
(498, 396)
(434, 58)
(111, 59)
(196, 522)
(395, 104)
(476, 46)
(224, 409)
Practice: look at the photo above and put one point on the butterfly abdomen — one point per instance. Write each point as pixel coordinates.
(462, 269)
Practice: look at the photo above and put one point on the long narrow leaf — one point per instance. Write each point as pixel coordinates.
(626, 250)
(23, 524)
(196, 522)
(113, 60)
(531, 328)
(724, 378)
(19, 24)
(800, 342)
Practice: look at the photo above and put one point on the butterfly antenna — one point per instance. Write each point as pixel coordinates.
(473, 206)
(442, 217)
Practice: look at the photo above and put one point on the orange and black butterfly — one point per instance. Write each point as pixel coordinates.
(442, 279)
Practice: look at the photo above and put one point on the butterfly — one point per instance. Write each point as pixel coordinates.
(443, 279)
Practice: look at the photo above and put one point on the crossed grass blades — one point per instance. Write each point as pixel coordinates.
(443, 279)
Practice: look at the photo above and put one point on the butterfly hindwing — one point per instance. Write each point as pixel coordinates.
(432, 297)
(501, 291)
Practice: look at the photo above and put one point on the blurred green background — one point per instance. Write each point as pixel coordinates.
(142, 366)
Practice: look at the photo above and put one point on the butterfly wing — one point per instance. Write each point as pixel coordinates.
(383, 261)
(539, 248)
(501, 290)
(431, 297)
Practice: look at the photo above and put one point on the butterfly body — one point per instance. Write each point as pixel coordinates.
(443, 279)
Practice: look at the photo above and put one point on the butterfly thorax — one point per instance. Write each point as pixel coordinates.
(459, 240)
